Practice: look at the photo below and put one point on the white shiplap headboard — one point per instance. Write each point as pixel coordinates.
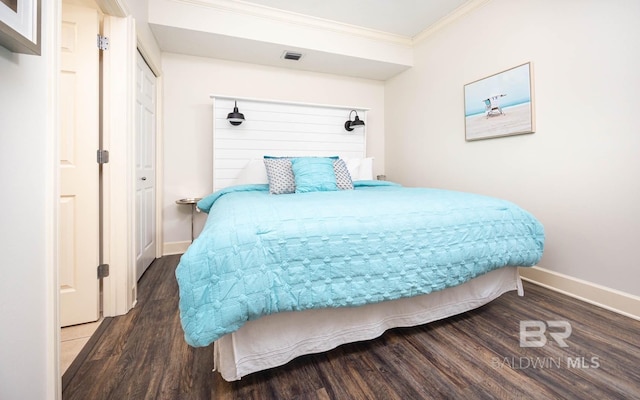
(279, 128)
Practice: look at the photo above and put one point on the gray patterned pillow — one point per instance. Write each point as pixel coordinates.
(343, 178)
(280, 175)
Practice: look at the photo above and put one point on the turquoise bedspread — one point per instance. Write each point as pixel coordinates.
(260, 254)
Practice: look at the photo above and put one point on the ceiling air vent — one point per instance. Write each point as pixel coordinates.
(290, 55)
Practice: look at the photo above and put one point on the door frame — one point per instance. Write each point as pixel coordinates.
(119, 289)
(118, 212)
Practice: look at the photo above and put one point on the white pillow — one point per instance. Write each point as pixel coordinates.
(253, 172)
(360, 169)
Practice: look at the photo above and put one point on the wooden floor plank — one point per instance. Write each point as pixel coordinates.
(476, 355)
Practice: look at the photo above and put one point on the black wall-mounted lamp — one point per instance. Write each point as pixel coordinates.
(356, 123)
(235, 118)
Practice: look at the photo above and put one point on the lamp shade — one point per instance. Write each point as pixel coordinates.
(356, 123)
(235, 118)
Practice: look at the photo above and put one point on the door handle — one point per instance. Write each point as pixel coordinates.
(144, 178)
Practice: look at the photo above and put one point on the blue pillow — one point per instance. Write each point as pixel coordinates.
(314, 174)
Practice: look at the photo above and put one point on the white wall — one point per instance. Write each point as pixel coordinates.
(580, 172)
(26, 235)
(188, 82)
(146, 41)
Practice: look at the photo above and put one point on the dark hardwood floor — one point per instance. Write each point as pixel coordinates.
(476, 355)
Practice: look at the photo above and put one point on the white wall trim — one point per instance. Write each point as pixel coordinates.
(116, 8)
(147, 54)
(159, 165)
(459, 12)
(610, 299)
(172, 248)
(289, 17)
(295, 103)
(51, 50)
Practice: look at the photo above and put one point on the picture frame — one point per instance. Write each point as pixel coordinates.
(20, 26)
(500, 105)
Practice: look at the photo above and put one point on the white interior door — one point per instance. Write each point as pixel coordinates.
(79, 179)
(145, 166)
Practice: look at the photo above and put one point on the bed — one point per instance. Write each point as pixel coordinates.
(279, 272)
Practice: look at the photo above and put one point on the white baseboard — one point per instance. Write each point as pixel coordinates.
(614, 300)
(172, 248)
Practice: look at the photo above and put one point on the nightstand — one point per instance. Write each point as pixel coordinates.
(192, 201)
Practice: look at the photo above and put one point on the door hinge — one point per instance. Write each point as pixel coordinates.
(103, 42)
(103, 271)
(103, 156)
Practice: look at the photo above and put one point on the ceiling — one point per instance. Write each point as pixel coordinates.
(371, 39)
(400, 17)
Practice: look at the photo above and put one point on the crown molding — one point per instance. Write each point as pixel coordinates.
(288, 17)
(116, 8)
(296, 103)
(459, 12)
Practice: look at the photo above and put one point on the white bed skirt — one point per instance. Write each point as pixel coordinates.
(276, 339)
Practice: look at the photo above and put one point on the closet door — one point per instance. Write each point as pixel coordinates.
(145, 166)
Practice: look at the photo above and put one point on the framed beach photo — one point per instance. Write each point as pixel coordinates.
(500, 105)
(20, 26)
